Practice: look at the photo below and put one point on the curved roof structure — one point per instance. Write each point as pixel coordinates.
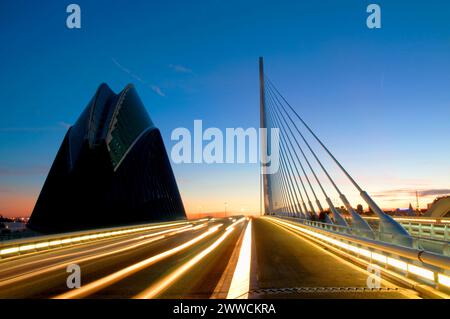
(111, 169)
(439, 208)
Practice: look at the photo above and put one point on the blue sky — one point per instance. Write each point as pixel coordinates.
(379, 98)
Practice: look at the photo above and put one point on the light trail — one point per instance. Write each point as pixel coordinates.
(121, 243)
(128, 271)
(242, 219)
(44, 270)
(164, 283)
(240, 284)
(30, 247)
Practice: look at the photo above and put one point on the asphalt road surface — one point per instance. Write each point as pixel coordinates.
(216, 258)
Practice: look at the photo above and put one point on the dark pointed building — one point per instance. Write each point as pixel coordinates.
(111, 169)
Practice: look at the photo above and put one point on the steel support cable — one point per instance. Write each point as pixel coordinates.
(270, 181)
(297, 202)
(325, 215)
(285, 194)
(289, 195)
(287, 161)
(315, 136)
(269, 178)
(306, 142)
(304, 172)
(289, 148)
(358, 220)
(287, 167)
(280, 194)
(298, 188)
(288, 174)
(276, 195)
(290, 187)
(337, 216)
(291, 160)
(387, 223)
(276, 198)
(306, 177)
(301, 150)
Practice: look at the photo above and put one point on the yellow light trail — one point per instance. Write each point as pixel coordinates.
(58, 242)
(128, 271)
(61, 265)
(47, 259)
(242, 219)
(164, 283)
(240, 284)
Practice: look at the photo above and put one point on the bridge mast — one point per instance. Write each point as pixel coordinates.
(264, 183)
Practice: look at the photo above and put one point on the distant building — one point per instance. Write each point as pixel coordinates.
(405, 212)
(111, 169)
(359, 209)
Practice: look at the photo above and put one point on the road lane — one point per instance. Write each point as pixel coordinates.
(200, 280)
(32, 262)
(51, 283)
(282, 265)
(117, 276)
(289, 266)
(17, 249)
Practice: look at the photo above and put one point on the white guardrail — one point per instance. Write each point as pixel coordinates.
(427, 267)
(418, 219)
(39, 243)
(425, 227)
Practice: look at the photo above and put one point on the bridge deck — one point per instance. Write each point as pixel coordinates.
(282, 264)
(289, 266)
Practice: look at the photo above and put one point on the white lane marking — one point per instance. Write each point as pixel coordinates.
(240, 284)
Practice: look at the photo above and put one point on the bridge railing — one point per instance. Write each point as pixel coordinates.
(434, 228)
(416, 219)
(434, 245)
(431, 230)
(424, 266)
(41, 243)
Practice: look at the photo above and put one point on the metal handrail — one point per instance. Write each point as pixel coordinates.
(112, 231)
(439, 261)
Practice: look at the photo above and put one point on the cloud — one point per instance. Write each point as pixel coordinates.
(157, 90)
(32, 129)
(412, 192)
(24, 171)
(5, 190)
(65, 125)
(434, 192)
(179, 68)
(154, 88)
(120, 66)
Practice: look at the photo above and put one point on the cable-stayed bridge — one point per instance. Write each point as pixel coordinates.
(303, 246)
(282, 193)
